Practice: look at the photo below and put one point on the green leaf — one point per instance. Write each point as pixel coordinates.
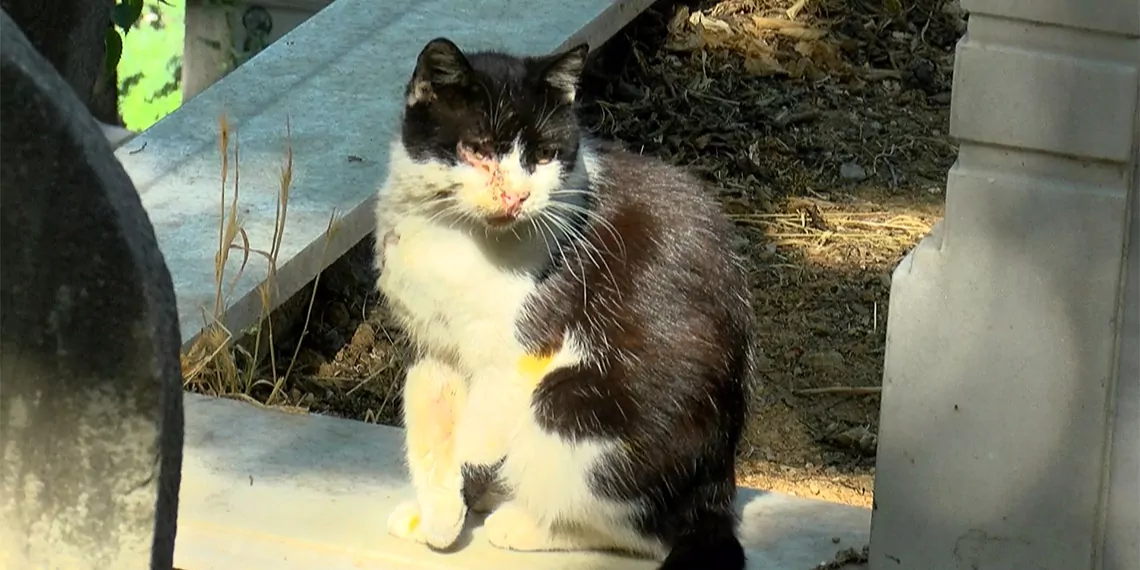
(126, 13)
(114, 43)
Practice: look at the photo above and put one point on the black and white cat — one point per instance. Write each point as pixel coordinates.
(581, 323)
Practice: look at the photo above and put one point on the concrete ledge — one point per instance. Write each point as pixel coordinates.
(265, 489)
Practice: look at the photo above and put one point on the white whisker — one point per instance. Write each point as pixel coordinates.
(592, 216)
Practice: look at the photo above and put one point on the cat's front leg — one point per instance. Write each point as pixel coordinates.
(484, 424)
(482, 437)
(434, 397)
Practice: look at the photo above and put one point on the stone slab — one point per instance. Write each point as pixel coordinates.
(91, 401)
(338, 79)
(267, 489)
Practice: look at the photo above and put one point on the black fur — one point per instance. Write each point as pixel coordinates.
(479, 480)
(652, 288)
(669, 306)
(486, 99)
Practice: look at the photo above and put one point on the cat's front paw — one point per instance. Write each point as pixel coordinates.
(511, 528)
(441, 518)
(404, 522)
(436, 523)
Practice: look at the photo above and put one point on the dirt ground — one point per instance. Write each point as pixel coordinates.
(824, 124)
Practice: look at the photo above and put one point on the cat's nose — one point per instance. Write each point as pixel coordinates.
(513, 201)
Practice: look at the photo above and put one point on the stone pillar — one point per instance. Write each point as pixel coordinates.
(90, 380)
(1010, 428)
(207, 52)
(220, 37)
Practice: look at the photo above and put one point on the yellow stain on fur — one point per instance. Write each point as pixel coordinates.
(533, 367)
(413, 523)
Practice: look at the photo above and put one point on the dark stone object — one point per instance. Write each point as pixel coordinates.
(90, 381)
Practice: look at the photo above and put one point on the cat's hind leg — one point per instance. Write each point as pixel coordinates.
(512, 527)
(434, 395)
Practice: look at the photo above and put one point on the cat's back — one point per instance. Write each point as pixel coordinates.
(666, 210)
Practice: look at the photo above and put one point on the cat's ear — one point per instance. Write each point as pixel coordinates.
(563, 70)
(440, 64)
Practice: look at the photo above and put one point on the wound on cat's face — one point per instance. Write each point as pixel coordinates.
(495, 137)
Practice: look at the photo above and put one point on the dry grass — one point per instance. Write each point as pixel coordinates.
(817, 229)
(215, 364)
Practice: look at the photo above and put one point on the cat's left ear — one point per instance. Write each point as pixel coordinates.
(440, 64)
(565, 69)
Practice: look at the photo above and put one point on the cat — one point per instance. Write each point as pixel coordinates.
(581, 323)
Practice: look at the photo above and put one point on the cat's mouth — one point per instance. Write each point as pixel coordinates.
(501, 220)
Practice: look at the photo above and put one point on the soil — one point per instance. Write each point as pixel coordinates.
(824, 124)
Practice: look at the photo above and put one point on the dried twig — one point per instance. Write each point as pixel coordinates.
(842, 390)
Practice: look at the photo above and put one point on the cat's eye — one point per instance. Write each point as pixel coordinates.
(475, 150)
(543, 155)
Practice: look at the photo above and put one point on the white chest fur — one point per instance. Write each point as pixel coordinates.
(453, 294)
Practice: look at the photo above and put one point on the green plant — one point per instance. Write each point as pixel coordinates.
(124, 15)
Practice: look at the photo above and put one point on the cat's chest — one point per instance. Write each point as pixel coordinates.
(447, 292)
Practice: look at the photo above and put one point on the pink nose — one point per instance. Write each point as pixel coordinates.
(512, 202)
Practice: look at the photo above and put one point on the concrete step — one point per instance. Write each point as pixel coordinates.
(338, 78)
(267, 489)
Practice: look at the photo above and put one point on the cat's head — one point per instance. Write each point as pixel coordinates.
(493, 136)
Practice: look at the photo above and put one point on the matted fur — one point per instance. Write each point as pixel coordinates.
(584, 366)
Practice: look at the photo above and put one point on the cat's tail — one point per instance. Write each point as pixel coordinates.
(709, 544)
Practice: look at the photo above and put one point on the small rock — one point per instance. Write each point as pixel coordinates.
(858, 439)
(326, 369)
(828, 360)
(943, 98)
(364, 337)
(934, 190)
(852, 171)
(921, 73)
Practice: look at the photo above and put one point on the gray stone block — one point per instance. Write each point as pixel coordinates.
(1008, 432)
(90, 380)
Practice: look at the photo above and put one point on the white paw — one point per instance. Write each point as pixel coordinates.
(441, 518)
(404, 522)
(436, 522)
(511, 528)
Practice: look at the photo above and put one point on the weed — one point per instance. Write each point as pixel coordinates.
(214, 364)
